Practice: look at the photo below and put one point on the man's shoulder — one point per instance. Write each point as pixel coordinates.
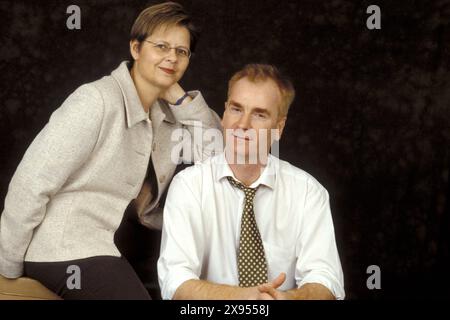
(200, 168)
(293, 174)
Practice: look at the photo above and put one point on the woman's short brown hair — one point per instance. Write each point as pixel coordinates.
(263, 72)
(163, 15)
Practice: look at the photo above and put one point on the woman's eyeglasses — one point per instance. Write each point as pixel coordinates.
(164, 48)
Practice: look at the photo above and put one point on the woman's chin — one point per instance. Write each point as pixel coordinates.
(165, 83)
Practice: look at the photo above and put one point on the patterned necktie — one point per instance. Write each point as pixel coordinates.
(252, 263)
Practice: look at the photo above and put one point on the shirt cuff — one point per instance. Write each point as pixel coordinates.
(333, 285)
(174, 281)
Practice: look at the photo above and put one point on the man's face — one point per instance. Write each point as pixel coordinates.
(252, 120)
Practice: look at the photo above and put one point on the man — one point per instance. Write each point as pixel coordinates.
(245, 224)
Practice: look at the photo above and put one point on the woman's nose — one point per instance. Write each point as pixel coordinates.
(172, 55)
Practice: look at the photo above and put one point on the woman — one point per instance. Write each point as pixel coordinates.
(69, 193)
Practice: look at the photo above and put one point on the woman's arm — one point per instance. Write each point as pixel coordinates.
(201, 122)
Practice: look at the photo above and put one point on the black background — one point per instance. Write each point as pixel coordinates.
(370, 121)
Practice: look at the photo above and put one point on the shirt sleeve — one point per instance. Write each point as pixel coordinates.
(182, 243)
(318, 258)
(61, 147)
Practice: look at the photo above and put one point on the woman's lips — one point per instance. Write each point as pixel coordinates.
(168, 71)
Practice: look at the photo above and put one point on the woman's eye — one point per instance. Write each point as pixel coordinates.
(182, 52)
(162, 46)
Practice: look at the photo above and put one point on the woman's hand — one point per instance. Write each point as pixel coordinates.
(144, 198)
(173, 93)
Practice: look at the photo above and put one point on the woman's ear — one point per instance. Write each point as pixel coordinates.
(134, 49)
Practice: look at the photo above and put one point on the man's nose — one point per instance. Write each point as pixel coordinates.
(244, 122)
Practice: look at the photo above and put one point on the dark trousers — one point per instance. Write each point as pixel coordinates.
(100, 277)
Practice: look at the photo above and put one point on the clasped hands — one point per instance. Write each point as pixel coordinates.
(269, 291)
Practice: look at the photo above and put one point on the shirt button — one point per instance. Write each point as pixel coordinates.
(162, 178)
(154, 146)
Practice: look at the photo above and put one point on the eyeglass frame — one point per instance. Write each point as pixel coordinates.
(155, 44)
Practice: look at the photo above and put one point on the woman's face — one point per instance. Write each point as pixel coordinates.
(155, 66)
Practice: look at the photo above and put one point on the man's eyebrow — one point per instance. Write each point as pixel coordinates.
(261, 110)
(236, 104)
(254, 110)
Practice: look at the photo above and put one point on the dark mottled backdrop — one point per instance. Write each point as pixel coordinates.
(371, 120)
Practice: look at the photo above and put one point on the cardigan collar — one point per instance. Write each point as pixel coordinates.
(134, 110)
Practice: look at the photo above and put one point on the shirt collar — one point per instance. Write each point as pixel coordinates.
(133, 106)
(267, 177)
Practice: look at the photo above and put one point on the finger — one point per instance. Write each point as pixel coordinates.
(278, 281)
(265, 291)
(268, 289)
(266, 296)
(264, 288)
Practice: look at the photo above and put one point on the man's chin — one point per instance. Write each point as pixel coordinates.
(241, 158)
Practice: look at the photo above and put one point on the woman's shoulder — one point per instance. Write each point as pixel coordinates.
(108, 88)
(106, 85)
(103, 92)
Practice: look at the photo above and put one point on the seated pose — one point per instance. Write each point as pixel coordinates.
(68, 195)
(244, 224)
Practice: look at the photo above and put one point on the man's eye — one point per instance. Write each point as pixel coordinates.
(260, 115)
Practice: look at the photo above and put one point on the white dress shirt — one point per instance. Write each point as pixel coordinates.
(202, 218)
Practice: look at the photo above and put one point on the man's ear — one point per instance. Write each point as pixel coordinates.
(134, 49)
(280, 126)
(224, 109)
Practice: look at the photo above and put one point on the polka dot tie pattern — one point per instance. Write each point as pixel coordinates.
(252, 263)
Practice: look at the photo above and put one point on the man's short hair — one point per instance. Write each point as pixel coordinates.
(163, 15)
(263, 72)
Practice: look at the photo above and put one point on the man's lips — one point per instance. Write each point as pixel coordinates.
(168, 71)
(241, 137)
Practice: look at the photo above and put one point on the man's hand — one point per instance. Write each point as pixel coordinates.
(309, 291)
(259, 293)
(271, 288)
(173, 93)
(204, 290)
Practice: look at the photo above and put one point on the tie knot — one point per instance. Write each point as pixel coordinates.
(249, 192)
